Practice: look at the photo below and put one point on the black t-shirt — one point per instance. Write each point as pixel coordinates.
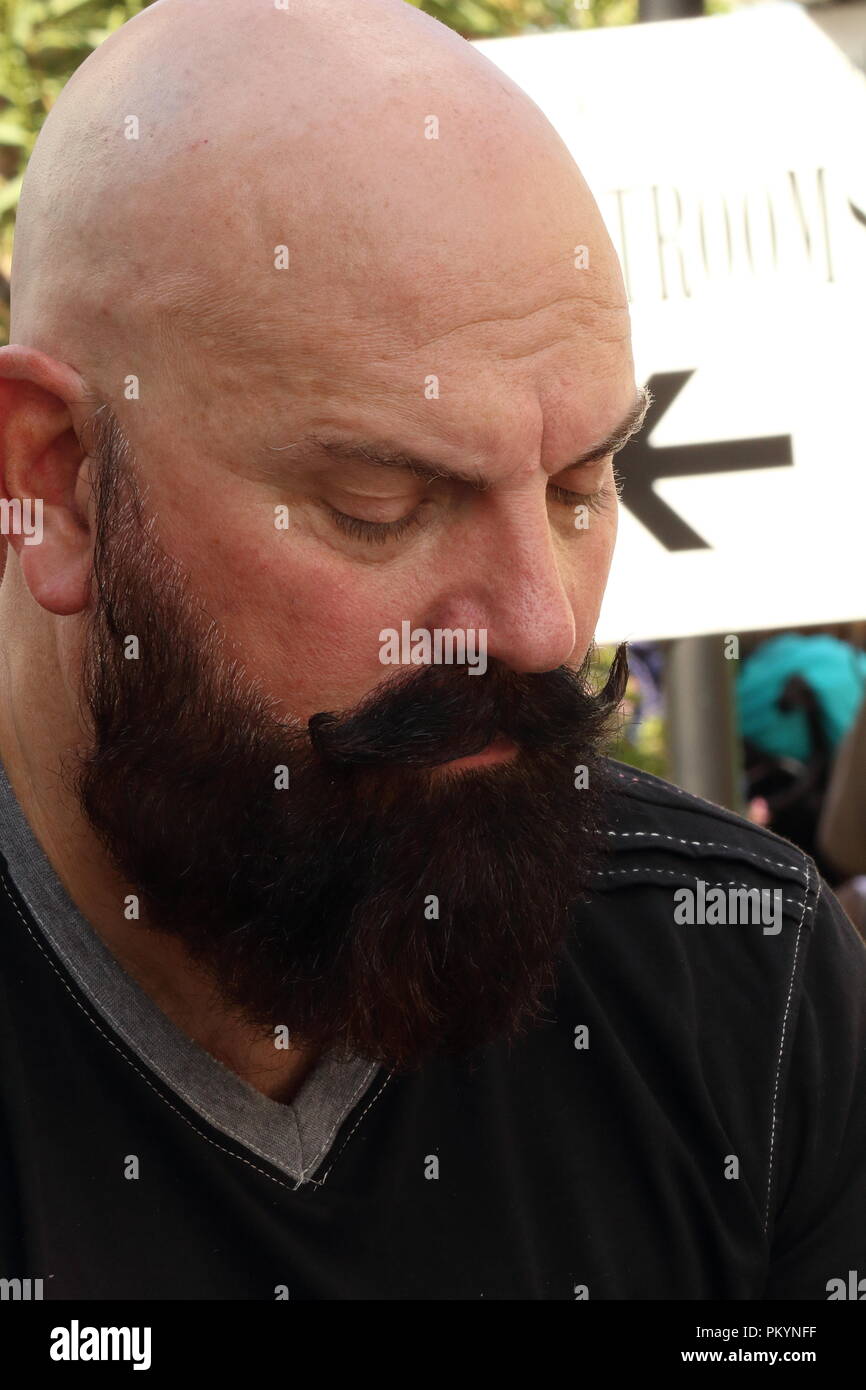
(689, 1123)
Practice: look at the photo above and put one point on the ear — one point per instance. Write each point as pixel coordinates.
(42, 505)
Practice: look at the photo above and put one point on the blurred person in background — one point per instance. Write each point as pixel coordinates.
(797, 695)
(842, 824)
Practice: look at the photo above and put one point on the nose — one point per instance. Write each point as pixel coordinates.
(512, 587)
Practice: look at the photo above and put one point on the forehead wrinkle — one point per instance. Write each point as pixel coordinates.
(225, 325)
(610, 307)
(382, 455)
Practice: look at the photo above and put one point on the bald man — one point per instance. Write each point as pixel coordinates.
(338, 961)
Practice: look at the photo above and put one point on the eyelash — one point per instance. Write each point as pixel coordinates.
(378, 532)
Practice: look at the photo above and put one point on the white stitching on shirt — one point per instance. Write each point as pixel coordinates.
(781, 1050)
(707, 844)
(352, 1130)
(308, 1167)
(128, 1060)
(682, 873)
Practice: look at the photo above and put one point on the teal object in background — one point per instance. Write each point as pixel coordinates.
(835, 671)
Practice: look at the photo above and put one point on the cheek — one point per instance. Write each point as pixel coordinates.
(605, 542)
(586, 567)
(71, 639)
(306, 622)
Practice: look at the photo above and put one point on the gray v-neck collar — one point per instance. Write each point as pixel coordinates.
(294, 1138)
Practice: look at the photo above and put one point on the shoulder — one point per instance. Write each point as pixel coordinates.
(654, 827)
(726, 925)
(728, 922)
(742, 975)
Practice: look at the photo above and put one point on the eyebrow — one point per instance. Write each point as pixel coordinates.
(382, 455)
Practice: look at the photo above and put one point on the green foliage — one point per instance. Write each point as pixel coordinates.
(644, 746)
(487, 19)
(42, 42)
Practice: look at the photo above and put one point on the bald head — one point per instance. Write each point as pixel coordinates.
(393, 163)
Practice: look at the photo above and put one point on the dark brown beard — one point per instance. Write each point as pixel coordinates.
(313, 907)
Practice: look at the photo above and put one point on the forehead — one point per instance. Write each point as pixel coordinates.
(409, 304)
(485, 370)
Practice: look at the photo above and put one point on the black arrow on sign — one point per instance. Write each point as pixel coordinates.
(639, 465)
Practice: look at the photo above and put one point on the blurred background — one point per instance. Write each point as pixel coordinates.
(740, 591)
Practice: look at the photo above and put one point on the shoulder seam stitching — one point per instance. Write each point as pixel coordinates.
(678, 873)
(691, 802)
(712, 844)
(781, 1052)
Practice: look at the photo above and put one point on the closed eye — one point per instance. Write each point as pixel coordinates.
(375, 532)
(596, 501)
(378, 532)
(593, 500)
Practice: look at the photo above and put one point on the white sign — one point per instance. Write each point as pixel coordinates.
(728, 157)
